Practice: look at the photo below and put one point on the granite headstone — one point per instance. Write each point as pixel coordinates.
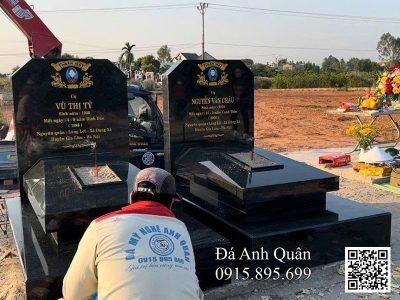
(70, 114)
(207, 104)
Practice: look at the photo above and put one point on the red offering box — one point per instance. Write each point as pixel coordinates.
(335, 159)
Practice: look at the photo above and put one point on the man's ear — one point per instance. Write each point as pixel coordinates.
(173, 200)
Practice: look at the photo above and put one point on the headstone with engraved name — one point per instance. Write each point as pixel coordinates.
(69, 115)
(208, 104)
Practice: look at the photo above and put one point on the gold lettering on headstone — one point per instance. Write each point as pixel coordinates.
(77, 123)
(211, 114)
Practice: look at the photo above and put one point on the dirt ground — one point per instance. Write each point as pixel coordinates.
(11, 277)
(285, 121)
(294, 120)
(6, 113)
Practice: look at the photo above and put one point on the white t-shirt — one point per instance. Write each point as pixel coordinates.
(139, 252)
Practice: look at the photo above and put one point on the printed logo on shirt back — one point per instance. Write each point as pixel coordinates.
(161, 244)
(156, 246)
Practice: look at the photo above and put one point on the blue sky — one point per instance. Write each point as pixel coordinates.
(267, 36)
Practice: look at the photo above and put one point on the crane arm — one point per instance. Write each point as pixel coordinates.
(41, 41)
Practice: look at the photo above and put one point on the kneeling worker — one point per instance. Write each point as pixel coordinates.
(139, 252)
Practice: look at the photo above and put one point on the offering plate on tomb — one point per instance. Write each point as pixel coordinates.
(87, 177)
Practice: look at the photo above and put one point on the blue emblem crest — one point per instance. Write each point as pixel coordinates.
(72, 75)
(213, 74)
(161, 244)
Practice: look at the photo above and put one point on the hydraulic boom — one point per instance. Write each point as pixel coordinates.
(41, 41)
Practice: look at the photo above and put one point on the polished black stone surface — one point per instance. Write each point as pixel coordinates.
(205, 241)
(62, 107)
(45, 262)
(69, 113)
(253, 162)
(57, 197)
(296, 188)
(345, 223)
(207, 103)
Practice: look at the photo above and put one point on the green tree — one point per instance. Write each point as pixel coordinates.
(389, 48)
(5, 84)
(148, 68)
(248, 62)
(68, 56)
(15, 69)
(342, 65)
(164, 68)
(126, 59)
(282, 61)
(309, 66)
(331, 64)
(147, 63)
(259, 69)
(355, 64)
(270, 71)
(164, 54)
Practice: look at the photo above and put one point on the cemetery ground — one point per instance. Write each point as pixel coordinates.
(285, 121)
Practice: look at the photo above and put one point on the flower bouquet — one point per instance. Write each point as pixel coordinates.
(388, 85)
(363, 134)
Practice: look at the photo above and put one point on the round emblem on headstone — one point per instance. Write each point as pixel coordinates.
(212, 74)
(161, 244)
(72, 75)
(148, 158)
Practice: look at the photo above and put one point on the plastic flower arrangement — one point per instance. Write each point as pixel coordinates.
(388, 84)
(363, 134)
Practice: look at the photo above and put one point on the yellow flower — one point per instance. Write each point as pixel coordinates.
(383, 79)
(396, 90)
(364, 134)
(352, 130)
(396, 79)
(382, 90)
(365, 131)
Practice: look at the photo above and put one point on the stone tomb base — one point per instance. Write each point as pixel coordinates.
(344, 224)
(286, 208)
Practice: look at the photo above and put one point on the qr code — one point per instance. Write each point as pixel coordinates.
(367, 269)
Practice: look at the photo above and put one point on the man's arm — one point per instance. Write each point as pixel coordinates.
(80, 282)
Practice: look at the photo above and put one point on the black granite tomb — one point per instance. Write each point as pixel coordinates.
(253, 197)
(70, 114)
